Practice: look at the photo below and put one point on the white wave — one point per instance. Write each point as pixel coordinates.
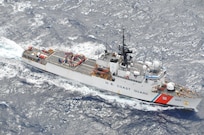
(10, 52)
(37, 20)
(2, 2)
(198, 61)
(89, 49)
(21, 6)
(3, 103)
(73, 38)
(9, 49)
(10, 68)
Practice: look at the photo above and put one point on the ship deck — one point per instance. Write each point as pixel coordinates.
(85, 67)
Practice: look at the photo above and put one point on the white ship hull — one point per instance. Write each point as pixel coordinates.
(142, 91)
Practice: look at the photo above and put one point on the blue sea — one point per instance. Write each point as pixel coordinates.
(33, 102)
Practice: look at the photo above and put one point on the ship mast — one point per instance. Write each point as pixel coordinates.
(124, 51)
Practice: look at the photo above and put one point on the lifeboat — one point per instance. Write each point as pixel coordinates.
(42, 56)
(101, 70)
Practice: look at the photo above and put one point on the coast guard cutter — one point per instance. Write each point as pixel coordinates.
(115, 72)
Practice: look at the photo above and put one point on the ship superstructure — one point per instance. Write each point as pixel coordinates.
(115, 72)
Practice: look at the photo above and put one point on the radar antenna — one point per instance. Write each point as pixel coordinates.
(124, 52)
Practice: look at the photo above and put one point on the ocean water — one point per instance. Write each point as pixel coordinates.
(34, 102)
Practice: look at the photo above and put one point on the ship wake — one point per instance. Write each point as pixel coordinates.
(10, 58)
(9, 49)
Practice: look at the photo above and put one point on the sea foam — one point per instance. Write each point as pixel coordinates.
(9, 49)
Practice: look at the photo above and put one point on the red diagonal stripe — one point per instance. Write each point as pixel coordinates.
(163, 99)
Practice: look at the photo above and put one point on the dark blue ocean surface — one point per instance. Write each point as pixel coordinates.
(33, 102)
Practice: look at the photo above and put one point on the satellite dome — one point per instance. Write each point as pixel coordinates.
(170, 86)
(144, 67)
(148, 63)
(156, 65)
(136, 73)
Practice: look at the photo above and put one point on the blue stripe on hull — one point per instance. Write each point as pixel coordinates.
(155, 97)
